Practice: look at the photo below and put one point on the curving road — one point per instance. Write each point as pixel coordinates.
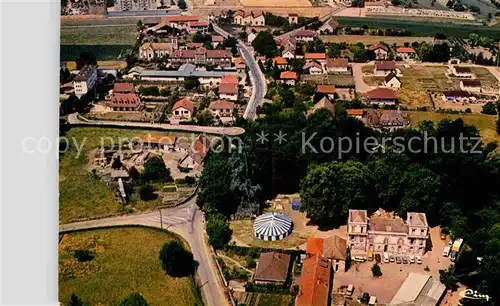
(185, 220)
(259, 85)
(74, 119)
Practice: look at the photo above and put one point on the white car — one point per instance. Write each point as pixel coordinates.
(419, 260)
(411, 259)
(386, 257)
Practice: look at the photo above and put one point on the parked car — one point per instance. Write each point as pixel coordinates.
(412, 259)
(446, 251)
(419, 260)
(386, 257)
(350, 290)
(405, 260)
(370, 255)
(398, 259)
(391, 258)
(443, 236)
(450, 243)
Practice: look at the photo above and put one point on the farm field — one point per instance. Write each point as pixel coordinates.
(71, 65)
(120, 267)
(102, 52)
(429, 78)
(80, 194)
(99, 35)
(487, 79)
(371, 40)
(420, 27)
(485, 123)
(97, 20)
(412, 99)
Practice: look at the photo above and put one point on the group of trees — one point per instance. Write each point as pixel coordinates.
(72, 104)
(434, 53)
(134, 299)
(440, 176)
(265, 45)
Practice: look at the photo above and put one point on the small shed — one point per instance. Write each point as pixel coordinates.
(296, 204)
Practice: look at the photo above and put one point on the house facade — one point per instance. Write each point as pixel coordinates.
(337, 65)
(406, 53)
(462, 72)
(85, 81)
(293, 18)
(288, 78)
(149, 51)
(327, 90)
(304, 35)
(392, 81)
(386, 234)
(382, 96)
(228, 91)
(183, 109)
(381, 51)
(125, 102)
(221, 108)
(238, 17)
(202, 56)
(470, 85)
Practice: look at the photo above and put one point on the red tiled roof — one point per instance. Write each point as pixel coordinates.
(327, 89)
(248, 14)
(184, 54)
(198, 24)
(182, 18)
(217, 38)
(385, 65)
(405, 50)
(218, 54)
(355, 112)
(124, 100)
(200, 149)
(257, 14)
(382, 93)
(239, 13)
(288, 75)
(312, 56)
(238, 60)
(378, 46)
(229, 79)
(315, 246)
(184, 103)
(123, 87)
(337, 62)
(201, 50)
(280, 61)
(305, 33)
(226, 88)
(221, 104)
(314, 282)
(193, 45)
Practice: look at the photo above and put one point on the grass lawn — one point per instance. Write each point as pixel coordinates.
(126, 260)
(81, 195)
(485, 123)
(243, 232)
(274, 300)
(371, 40)
(97, 35)
(487, 79)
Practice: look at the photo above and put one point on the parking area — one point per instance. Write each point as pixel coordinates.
(393, 274)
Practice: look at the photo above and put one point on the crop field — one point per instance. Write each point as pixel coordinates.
(102, 52)
(422, 28)
(80, 194)
(98, 35)
(371, 40)
(429, 78)
(125, 261)
(485, 123)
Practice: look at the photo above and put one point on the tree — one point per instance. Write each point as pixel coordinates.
(265, 45)
(376, 271)
(64, 75)
(134, 299)
(147, 192)
(329, 190)
(175, 260)
(117, 163)
(489, 109)
(140, 26)
(83, 255)
(191, 82)
(204, 118)
(85, 58)
(182, 4)
(155, 170)
(219, 233)
(498, 126)
(75, 301)
(68, 106)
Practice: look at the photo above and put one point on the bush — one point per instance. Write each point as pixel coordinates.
(83, 255)
(75, 301)
(135, 299)
(250, 262)
(175, 260)
(190, 180)
(155, 170)
(489, 109)
(147, 192)
(376, 271)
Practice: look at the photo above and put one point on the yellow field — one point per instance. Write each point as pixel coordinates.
(103, 64)
(485, 123)
(278, 3)
(371, 40)
(413, 98)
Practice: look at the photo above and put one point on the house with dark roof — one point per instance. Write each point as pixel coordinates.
(304, 35)
(382, 96)
(462, 72)
(315, 282)
(386, 120)
(332, 248)
(272, 267)
(328, 27)
(85, 81)
(392, 80)
(383, 68)
(470, 85)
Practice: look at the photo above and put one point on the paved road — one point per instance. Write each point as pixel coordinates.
(259, 85)
(187, 221)
(357, 74)
(73, 119)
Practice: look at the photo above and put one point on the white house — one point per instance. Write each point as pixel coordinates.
(470, 85)
(288, 53)
(183, 109)
(293, 18)
(406, 53)
(258, 19)
(228, 91)
(327, 90)
(85, 81)
(248, 18)
(221, 108)
(462, 72)
(238, 17)
(381, 51)
(149, 51)
(313, 68)
(280, 62)
(392, 81)
(288, 77)
(216, 40)
(304, 35)
(337, 65)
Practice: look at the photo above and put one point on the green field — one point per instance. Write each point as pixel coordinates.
(126, 261)
(485, 123)
(102, 52)
(422, 27)
(80, 194)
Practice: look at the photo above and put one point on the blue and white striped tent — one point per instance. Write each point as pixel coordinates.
(272, 226)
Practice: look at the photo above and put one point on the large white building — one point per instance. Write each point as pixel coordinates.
(386, 234)
(85, 81)
(135, 5)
